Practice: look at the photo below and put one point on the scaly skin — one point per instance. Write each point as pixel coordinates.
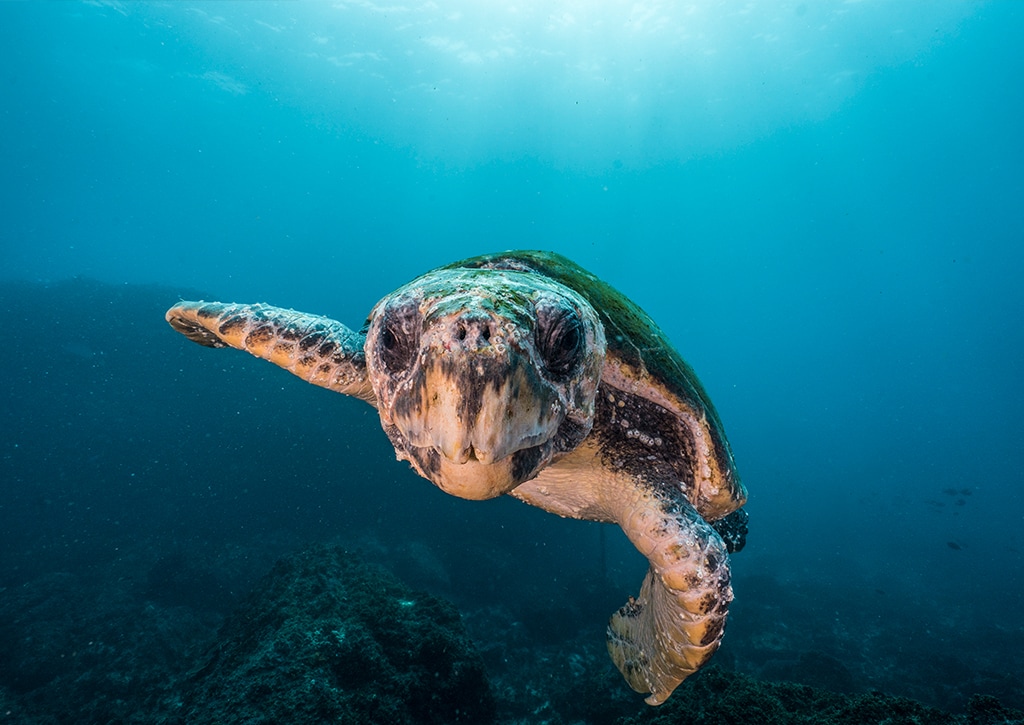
(462, 388)
(672, 628)
(317, 349)
(676, 623)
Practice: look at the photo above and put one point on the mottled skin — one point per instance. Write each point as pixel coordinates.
(522, 374)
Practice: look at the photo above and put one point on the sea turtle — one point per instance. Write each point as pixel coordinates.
(521, 373)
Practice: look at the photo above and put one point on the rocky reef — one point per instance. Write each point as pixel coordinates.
(717, 697)
(324, 638)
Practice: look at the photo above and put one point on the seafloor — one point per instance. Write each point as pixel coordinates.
(325, 637)
(168, 561)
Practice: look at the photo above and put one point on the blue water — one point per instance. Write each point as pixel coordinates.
(821, 203)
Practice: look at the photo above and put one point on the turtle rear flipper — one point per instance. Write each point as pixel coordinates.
(317, 349)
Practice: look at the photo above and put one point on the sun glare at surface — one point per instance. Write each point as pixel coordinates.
(577, 83)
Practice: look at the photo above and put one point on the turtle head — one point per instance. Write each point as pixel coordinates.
(482, 377)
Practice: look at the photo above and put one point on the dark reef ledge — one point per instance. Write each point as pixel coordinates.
(324, 638)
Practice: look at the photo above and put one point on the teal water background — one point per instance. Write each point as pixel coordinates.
(822, 203)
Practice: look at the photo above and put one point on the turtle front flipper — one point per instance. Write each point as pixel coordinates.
(671, 629)
(317, 349)
(674, 626)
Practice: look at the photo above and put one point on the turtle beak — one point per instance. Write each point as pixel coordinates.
(472, 415)
(478, 405)
(486, 401)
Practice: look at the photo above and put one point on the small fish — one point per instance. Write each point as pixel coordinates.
(953, 545)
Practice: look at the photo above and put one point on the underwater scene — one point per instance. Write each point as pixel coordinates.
(493, 493)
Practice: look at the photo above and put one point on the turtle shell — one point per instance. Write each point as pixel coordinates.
(635, 345)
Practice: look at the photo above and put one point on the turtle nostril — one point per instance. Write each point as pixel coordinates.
(473, 332)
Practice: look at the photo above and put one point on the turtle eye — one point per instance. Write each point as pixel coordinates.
(559, 340)
(399, 337)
